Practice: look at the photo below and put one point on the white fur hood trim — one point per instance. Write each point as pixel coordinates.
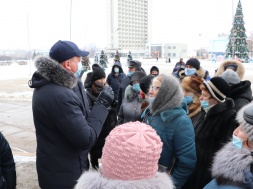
(95, 180)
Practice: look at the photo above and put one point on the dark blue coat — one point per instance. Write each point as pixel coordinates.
(65, 129)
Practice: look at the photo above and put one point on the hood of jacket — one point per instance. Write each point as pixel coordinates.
(120, 68)
(240, 68)
(95, 180)
(170, 95)
(241, 90)
(231, 162)
(48, 71)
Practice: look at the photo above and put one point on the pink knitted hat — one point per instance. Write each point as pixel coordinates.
(131, 152)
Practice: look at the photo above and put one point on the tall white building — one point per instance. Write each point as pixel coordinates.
(128, 26)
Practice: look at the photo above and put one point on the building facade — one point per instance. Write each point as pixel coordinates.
(127, 26)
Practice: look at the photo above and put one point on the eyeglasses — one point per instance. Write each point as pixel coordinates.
(153, 88)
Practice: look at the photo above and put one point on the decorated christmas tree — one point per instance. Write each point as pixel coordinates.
(129, 57)
(237, 45)
(86, 63)
(102, 60)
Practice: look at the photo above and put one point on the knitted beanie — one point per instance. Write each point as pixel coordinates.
(192, 84)
(245, 119)
(230, 76)
(131, 152)
(98, 73)
(146, 82)
(194, 62)
(137, 76)
(218, 88)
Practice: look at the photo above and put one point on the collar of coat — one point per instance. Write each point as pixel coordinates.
(130, 94)
(231, 162)
(221, 107)
(52, 71)
(96, 180)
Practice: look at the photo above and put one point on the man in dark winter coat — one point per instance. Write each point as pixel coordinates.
(97, 83)
(133, 66)
(115, 77)
(65, 128)
(7, 165)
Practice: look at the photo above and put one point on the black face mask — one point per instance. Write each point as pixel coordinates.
(97, 87)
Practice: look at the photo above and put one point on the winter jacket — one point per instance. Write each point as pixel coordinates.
(114, 79)
(95, 180)
(210, 135)
(229, 168)
(123, 85)
(7, 165)
(130, 109)
(109, 124)
(241, 93)
(65, 129)
(171, 123)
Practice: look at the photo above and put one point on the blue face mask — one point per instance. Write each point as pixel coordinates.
(188, 99)
(151, 100)
(136, 87)
(79, 69)
(190, 71)
(204, 104)
(237, 142)
(130, 73)
(116, 70)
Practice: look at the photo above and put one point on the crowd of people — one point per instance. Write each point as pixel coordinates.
(138, 130)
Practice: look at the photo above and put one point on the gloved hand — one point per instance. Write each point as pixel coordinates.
(106, 97)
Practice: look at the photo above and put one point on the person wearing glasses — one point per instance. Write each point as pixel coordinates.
(166, 115)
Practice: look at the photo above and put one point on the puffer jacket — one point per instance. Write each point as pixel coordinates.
(7, 165)
(95, 180)
(65, 128)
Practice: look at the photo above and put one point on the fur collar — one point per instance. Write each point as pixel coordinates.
(240, 68)
(230, 162)
(194, 108)
(201, 72)
(130, 94)
(52, 71)
(169, 96)
(221, 107)
(95, 180)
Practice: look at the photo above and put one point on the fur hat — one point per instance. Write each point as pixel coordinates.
(134, 64)
(232, 64)
(137, 76)
(131, 152)
(98, 73)
(192, 83)
(146, 82)
(245, 119)
(218, 88)
(194, 62)
(231, 77)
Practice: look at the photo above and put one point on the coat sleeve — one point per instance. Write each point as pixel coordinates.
(185, 152)
(7, 163)
(120, 115)
(82, 132)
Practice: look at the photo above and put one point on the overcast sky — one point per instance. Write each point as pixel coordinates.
(172, 21)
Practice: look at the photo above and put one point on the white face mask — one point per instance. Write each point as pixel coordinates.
(116, 70)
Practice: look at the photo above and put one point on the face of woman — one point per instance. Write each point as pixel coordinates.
(207, 96)
(243, 136)
(154, 88)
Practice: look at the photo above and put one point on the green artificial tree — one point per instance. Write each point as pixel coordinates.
(129, 57)
(95, 59)
(102, 60)
(237, 45)
(86, 63)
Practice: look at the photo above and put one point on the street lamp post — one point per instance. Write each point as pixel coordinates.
(70, 18)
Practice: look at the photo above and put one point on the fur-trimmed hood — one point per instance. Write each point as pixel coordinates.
(170, 95)
(240, 68)
(48, 70)
(95, 180)
(231, 162)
